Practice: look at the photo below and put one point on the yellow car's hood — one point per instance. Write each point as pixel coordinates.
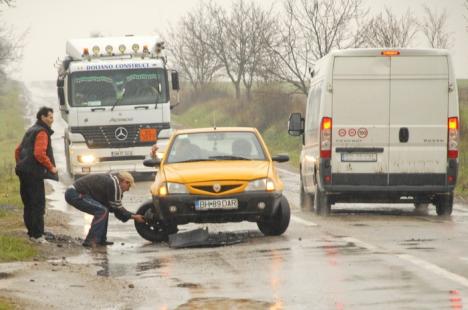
(216, 170)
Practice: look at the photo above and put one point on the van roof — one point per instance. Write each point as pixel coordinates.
(378, 52)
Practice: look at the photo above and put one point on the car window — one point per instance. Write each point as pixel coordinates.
(215, 146)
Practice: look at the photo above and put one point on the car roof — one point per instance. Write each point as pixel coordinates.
(216, 129)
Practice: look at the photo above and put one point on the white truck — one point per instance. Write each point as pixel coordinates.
(381, 125)
(114, 95)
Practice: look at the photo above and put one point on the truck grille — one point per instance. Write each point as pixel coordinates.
(116, 136)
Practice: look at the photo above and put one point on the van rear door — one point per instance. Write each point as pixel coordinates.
(360, 115)
(418, 120)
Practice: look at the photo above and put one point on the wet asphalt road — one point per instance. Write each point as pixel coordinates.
(361, 257)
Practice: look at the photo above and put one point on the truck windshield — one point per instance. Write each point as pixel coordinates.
(126, 87)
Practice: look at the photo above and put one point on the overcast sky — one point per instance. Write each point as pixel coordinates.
(49, 23)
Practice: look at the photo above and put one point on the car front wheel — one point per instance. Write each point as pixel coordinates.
(154, 230)
(277, 224)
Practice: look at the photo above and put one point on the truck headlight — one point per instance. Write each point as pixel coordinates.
(176, 188)
(261, 185)
(86, 159)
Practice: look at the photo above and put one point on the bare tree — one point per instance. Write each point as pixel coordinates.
(309, 31)
(434, 28)
(235, 41)
(259, 29)
(387, 30)
(188, 47)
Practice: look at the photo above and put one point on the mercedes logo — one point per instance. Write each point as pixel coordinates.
(121, 133)
(216, 187)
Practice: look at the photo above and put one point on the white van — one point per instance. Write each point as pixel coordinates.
(380, 126)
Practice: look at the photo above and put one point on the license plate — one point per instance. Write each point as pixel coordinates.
(148, 134)
(121, 153)
(216, 204)
(359, 157)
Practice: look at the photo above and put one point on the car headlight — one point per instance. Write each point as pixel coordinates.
(176, 188)
(261, 185)
(86, 159)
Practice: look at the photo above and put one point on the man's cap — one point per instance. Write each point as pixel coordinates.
(124, 175)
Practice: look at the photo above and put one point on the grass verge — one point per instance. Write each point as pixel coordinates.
(12, 247)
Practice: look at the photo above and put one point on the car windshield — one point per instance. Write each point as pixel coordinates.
(120, 87)
(210, 146)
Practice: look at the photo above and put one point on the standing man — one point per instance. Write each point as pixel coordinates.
(99, 194)
(34, 163)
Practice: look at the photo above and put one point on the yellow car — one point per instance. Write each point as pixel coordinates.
(215, 175)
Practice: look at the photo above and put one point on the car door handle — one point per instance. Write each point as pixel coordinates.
(404, 135)
(98, 109)
(141, 107)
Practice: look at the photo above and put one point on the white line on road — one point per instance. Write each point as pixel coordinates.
(435, 269)
(361, 244)
(302, 221)
(416, 261)
(294, 174)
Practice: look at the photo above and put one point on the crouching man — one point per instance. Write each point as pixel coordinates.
(99, 194)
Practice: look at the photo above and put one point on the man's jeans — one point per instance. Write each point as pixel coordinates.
(98, 231)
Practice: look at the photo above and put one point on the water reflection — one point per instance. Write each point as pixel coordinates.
(276, 268)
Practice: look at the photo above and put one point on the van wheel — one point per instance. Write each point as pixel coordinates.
(321, 203)
(444, 205)
(306, 200)
(278, 224)
(153, 230)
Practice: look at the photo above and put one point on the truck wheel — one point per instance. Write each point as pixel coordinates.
(278, 224)
(154, 230)
(321, 203)
(444, 205)
(306, 200)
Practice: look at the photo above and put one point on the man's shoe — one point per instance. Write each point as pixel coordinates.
(106, 243)
(40, 240)
(89, 244)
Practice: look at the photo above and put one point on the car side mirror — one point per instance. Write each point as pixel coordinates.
(280, 158)
(296, 124)
(151, 162)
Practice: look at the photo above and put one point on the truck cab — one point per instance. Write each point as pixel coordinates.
(114, 96)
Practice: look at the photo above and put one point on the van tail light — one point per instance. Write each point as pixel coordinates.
(452, 141)
(326, 137)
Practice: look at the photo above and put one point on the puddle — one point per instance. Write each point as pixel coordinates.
(225, 303)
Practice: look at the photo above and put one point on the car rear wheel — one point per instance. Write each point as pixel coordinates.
(444, 205)
(278, 224)
(306, 200)
(321, 203)
(153, 230)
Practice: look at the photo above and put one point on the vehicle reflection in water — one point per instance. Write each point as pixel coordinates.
(276, 269)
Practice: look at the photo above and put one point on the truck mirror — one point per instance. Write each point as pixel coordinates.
(60, 82)
(61, 95)
(175, 80)
(296, 124)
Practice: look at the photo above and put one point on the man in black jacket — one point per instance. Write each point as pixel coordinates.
(34, 163)
(99, 194)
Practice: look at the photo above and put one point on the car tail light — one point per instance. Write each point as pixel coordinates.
(326, 137)
(452, 141)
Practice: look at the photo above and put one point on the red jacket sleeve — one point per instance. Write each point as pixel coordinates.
(40, 149)
(17, 152)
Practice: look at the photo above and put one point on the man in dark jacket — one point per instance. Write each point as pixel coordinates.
(34, 163)
(99, 194)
